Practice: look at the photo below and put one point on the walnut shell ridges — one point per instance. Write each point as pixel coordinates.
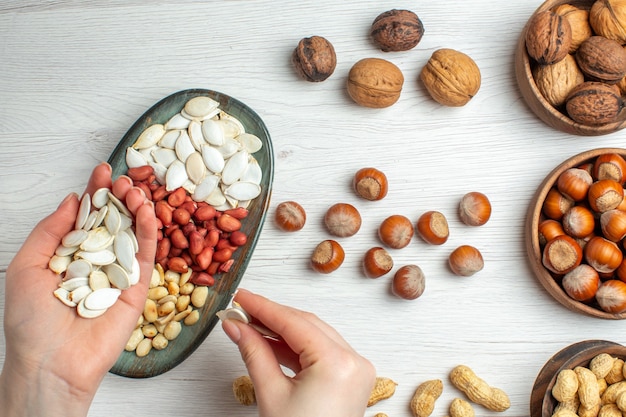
(314, 59)
(548, 37)
(375, 82)
(397, 30)
(608, 19)
(602, 59)
(594, 103)
(451, 77)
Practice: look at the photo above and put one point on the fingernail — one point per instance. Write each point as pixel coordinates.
(231, 330)
(106, 164)
(67, 199)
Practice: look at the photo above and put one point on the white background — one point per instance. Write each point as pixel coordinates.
(74, 76)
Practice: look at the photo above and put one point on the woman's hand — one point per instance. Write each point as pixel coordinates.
(55, 360)
(331, 379)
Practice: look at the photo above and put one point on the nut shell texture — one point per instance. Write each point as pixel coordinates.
(548, 37)
(375, 82)
(451, 77)
(602, 59)
(594, 103)
(314, 59)
(397, 30)
(608, 19)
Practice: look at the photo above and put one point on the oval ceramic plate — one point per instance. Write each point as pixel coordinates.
(158, 362)
(542, 403)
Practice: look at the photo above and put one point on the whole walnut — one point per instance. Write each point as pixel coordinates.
(314, 59)
(375, 82)
(608, 19)
(397, 30)
(594, 103)
(579, 23)
(602, 59)
(451, 77)
(548, 37)
(556, 81)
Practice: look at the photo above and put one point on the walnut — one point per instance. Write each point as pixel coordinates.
(602, 59)
(579, 22)
(451, 77)
(594, 103)
(397, 30)
(375, 82)
(608, 19)
(548, 37)
(556, 81)
(314, 59)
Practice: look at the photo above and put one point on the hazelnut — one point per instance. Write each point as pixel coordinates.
(610, 166)
(396, 231)
(465, 261)
(581, 283)
(408, 282)
(556, 81)
(375, 82)
(562, 254)
(475, 209)
(611, 296)
(370, 184)
(602, 59)
(342, 220)
(548, 37)
(594, 103)
(290, 216)
(608, 19)
(397, 30)
(327, 256)
(605, 195)
(377, 262)
(603, 255)
(314, 59)
(432, 226)
(451, 77)
(579, 23)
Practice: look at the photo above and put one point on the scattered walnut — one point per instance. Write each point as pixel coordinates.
(548, 37)
(594, 103)
(397, 30)
(375, 82)
(314, 59)
(556, 81)
(451, 77)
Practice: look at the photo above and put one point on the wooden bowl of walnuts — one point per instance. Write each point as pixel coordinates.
(570, 65)
(589, 361)
(575, 230)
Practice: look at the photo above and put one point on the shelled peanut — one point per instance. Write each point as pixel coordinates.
(598, 389)
(583, 229)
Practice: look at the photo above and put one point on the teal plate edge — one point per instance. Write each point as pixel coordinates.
(191, 337)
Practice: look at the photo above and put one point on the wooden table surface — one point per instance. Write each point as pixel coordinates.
(76, 75)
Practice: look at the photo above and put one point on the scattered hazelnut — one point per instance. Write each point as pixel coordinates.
(377, 262)
(408, 282)
(342, 220)
(375, 82)
(370, 184)
(314, 59)
(432, 226)
(397, 30)
(327, 256)
(474, 209)
(290, 216)
(451, 77)
(465, 261)
(396, 231)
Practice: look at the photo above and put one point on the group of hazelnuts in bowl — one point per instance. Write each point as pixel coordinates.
(571, 65)
(395, 232)
(451, 77)
(576, 230)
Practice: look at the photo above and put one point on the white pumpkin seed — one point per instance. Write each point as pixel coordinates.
(83, 211)
(184, 147)
(235, 167)
(134, 158)
(97, 240)
(100, 258)
(59, 264)
(124, 251)
(77, 268)
(74, 283)
(168, 141)
(118, 276)
(98, 280)
(243, 190)
(74, 238)
(102, 299)
(164, 156)
(176, 176)
(64, 296)
(86, 313)
(200, 106)
(149, 137)
(251, 143)
(212, 132)
(205, 188)
(196, 170)
(100, 198)
(194, 132)
(112, 221)
(213, 159)
(79, 293)
(177, 122)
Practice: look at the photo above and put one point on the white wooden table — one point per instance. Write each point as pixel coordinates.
(76, 75)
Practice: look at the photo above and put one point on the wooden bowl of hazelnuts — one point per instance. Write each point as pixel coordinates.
(575, 233)
(570, 65)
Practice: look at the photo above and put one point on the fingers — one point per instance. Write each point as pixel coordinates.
(100, 178)
(302, 331)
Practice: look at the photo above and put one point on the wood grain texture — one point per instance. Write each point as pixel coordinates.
(76, 75)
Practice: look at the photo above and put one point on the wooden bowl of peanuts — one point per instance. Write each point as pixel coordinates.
(595, 367)
(208, 226)
(569, 237)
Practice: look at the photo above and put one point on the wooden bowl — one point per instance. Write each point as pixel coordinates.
(542, 403)
(533, 247)
(556, 118)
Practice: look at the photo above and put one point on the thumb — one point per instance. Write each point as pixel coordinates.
(257, 354)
